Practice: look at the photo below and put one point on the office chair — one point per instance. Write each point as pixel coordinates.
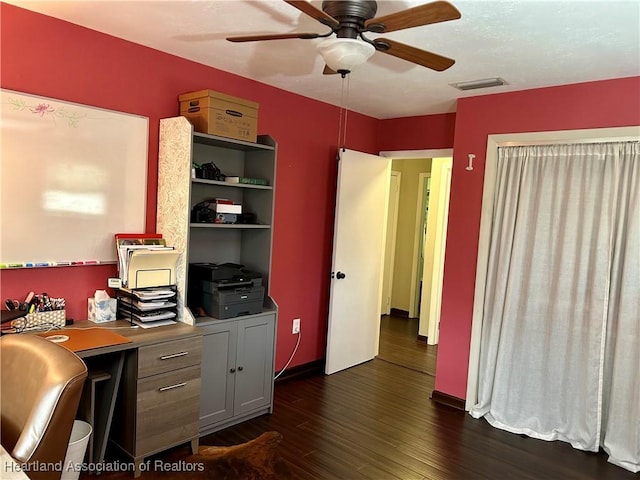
(40, 388)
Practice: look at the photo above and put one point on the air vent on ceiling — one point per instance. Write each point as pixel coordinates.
(484, 83)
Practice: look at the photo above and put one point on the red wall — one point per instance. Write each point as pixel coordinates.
(417, 133)
(44, 56)
(48, 57)
(611, 103)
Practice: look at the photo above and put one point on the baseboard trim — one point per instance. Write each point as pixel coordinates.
(399, 313)
(446, 399)
(307, 369)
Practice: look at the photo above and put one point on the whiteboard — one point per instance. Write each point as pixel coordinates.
(71, 177)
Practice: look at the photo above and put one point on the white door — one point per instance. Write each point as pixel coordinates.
(358, 250)
(390, 244)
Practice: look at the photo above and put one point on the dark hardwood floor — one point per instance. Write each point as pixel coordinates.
(376, 421)
(399, 344)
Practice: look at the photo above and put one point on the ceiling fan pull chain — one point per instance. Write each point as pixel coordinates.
(346, 113)
(341, 110)
(340, 128)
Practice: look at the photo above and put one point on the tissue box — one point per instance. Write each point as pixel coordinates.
(102, 310)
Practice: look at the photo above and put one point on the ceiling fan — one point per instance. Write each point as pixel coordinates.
(349, 20)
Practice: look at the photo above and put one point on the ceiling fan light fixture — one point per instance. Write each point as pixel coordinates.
(342, 54)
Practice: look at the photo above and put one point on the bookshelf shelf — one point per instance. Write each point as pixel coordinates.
(225, 398)
(230, 185)
(231, 226)
(248, 244)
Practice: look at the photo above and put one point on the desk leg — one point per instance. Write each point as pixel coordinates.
(138, 470)
(194, 445)
(103, 401)
(87, 408)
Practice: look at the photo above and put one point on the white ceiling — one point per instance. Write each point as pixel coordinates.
(528, 43)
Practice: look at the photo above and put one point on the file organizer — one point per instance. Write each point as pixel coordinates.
(148, 307)
(145, 260)
(151, 268)
(147, 269)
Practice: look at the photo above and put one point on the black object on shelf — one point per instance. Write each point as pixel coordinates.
(224, 290)
(210, 171)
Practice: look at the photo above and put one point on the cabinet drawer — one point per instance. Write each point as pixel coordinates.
(168, 407)
(167, 356)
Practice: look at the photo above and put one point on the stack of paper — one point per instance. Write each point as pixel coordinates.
(145, 262)
(147, 308)
(151, 268)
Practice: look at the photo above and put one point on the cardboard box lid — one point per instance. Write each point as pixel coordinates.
(185, 97)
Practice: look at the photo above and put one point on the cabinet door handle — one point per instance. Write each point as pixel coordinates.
(174, 355)
(171, 387)
(240, 368)
(233, 370)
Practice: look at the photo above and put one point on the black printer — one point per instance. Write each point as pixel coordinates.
(224, 290)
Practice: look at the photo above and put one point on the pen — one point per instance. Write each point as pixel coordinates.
(62, 264)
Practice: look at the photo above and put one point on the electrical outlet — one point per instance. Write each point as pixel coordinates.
(296, 326)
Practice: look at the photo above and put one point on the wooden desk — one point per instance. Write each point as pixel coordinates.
(128, 365)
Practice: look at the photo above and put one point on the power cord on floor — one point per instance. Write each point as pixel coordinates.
(295, 349)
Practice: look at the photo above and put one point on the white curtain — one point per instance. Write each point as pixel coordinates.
(559, 356)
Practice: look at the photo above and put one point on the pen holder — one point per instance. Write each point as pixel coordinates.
(41, 320)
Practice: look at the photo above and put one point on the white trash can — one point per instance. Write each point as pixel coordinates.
(78, 442)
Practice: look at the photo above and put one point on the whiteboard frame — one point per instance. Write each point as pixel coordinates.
(113, 144)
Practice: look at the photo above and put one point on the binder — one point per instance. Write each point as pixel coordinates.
(152, 268)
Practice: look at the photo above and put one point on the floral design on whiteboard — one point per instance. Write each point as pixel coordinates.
(46, 110)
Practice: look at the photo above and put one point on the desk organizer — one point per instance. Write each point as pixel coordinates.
(148, 306)
(41, 320)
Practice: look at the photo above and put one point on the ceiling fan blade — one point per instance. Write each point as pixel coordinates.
(307, 8)
(426, 14)
(413, 55)
(282, 36)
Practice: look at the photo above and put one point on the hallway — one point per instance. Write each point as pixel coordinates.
(399, 345)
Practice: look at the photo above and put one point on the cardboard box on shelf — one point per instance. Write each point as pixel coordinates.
(216, 113)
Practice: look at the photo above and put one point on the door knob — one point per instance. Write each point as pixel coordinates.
(340, 275)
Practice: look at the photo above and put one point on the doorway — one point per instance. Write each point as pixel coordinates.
(417, 279)
(400, 345)
(390, 243)
(422, 210)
